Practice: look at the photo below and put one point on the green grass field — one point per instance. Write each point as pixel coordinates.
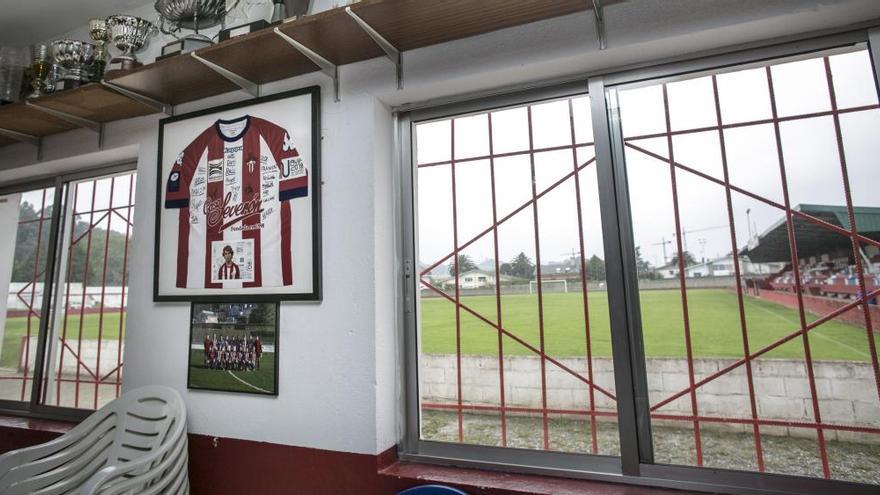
(715, 327)
(259, 381)
(16, 328)
(714, 322)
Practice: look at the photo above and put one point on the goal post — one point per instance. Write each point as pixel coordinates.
(548, 286)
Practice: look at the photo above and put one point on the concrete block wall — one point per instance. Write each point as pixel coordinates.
(88, 352)
(847, 391)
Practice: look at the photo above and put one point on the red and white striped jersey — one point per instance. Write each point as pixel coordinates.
(232, 186)
(229, 272)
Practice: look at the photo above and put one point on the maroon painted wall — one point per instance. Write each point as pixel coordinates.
(230, 466)
(824, 305)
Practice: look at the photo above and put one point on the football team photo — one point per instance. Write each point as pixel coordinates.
(233, 347)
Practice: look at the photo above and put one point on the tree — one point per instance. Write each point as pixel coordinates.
(688, 259)
(465, 264)
(643, 267)
(262, 314)
(520, 266)
(26, 250)
(595, 268)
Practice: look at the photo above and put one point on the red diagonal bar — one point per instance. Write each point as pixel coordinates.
(507, 217)
(520, 340)
(80, 361)
(544, 417)
(664, 416)
(33, 285)
(498, 312)
(88, 230)
(796, 272)
(504, 155)
(115, 211)
(753, 122)
(594, 437)
(103, 291)
(66, 301)
(860, 271)
(128, 226)
(456, 250)
(799, 214)
(753, 405)
(85, 284)
(698, 443)
(736, 364)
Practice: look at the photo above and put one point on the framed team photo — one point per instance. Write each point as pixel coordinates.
(238, 202)
(233, 347)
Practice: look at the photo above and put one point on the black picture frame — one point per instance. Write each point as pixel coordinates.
(316, 293)
(249, 388)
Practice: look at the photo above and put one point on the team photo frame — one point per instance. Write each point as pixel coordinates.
(233, 347)
(238, 202)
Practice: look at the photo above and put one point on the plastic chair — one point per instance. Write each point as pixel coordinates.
(135, 444)
(432, 490)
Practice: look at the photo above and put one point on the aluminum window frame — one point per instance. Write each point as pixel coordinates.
(33, 407)
(635, 464)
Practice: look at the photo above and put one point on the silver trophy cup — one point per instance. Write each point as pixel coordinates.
(129, 34)
(175, 15)
(76, 57)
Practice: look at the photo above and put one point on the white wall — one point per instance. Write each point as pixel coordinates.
(338, 365)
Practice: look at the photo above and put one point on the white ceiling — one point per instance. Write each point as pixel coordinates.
(23, 22)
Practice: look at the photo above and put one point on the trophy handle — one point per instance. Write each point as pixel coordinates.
(229, 7)
(161, 23)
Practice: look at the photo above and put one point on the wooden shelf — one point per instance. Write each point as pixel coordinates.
(263, 56)
(92, 102)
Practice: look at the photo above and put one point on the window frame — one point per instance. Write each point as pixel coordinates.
(635, 464)
(33, 407)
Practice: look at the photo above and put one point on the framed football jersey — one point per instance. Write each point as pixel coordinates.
(238, 202)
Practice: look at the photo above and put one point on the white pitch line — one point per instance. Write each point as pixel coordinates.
(817, 334)
(248, 384)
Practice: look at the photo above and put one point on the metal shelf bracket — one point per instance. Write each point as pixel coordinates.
(249, 86)
(20, 136)
(92, 125)
(600, 24)
(391, 52)
(35, 141)
(327, 67)
(146, 100)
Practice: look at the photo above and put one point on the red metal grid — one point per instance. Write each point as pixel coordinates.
(754, 420)
(497, 323)
(863, 297)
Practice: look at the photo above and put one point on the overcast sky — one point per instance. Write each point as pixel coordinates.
(810, 152)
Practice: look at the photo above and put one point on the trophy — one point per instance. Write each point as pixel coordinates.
(40, 67)
(100, 35)
(175, 15)
(75, 57)
(129, 34)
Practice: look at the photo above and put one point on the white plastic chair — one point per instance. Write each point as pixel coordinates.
(135, 444)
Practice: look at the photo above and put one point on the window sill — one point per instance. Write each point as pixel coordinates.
(482, 482)
(31, 424)
(19, 432)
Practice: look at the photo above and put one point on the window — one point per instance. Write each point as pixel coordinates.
(778, 154)
(513, 191)
(696, 287)
(65, 275)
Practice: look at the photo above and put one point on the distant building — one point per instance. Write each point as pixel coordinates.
(720, 267)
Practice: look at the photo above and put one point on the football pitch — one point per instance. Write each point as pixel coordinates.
(261, 381)
(17, 327)
(714, 326)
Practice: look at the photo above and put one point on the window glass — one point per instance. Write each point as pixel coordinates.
(513, 312)
(758, 298)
